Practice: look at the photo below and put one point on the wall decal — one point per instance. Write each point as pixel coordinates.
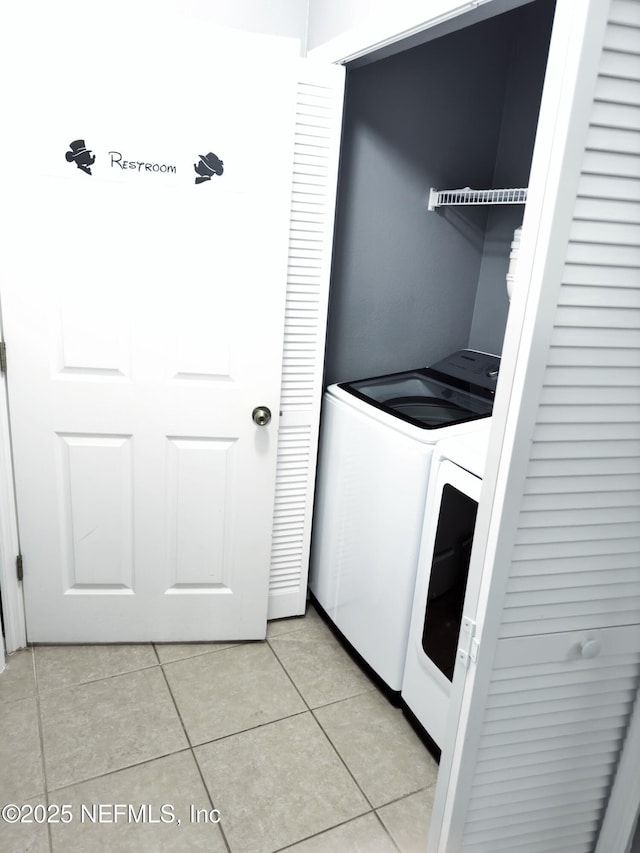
(110, 162)
(80, 155)
(208, 166)
(138, 165)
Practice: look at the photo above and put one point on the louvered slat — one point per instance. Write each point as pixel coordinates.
(626, 12)
(316, 143)
(607, 187)
(621, 559)
(615, 233)
(597, 210)
(617, 90)
(610, 356)
(581, 485)
(557, 798)
(590, 500)
(601, 276)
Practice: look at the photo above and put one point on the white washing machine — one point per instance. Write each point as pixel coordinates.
(441, 581)
(376, 443)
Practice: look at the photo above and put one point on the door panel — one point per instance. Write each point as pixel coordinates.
(198, 536)
(144, 316)
(97, 524)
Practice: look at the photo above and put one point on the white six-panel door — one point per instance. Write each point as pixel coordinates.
(143, 314)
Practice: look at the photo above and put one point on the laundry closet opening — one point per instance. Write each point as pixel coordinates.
(410, 286)
(420, 294)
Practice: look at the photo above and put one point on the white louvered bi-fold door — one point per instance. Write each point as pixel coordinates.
(564, 680)
(315, 173)
(554, 724)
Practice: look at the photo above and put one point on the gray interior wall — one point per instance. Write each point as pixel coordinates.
(528, 48)
(404, 279)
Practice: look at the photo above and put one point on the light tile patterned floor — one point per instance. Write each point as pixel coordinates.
(288, 739)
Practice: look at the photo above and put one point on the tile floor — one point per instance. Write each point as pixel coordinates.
(288, 739)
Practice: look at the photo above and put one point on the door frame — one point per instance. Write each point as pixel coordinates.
(12, 597)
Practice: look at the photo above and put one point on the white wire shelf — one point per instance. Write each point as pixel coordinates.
(437, 198)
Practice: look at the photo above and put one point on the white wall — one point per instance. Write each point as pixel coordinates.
(332, 20)
(348, 28)
(287, 18)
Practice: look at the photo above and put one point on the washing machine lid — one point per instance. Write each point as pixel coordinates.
(453, 391)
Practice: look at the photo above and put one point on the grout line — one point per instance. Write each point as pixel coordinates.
(409, 794)
(329, 829)
(251, 728)
(371, 687)
(224, 647)
(41, 736)
(117, 770)
(210, 798)
(382, 805)
(388, 834)
(40, 726)
(193, 756)
(51, 690)
(286, 672)
(175, 705)
(295, 625)
(347, 698)
(344, 763)
(191, 749)
(399, 799)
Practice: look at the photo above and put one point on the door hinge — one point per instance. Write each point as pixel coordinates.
(3, 357)
(469, 644)
(19, 567)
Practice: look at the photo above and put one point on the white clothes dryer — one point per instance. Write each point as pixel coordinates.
(441, 581)
(376, 443)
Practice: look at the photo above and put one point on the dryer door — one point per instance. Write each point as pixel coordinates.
(441, 583)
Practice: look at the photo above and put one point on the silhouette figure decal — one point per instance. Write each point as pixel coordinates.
(208, 166)
(80, 155)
